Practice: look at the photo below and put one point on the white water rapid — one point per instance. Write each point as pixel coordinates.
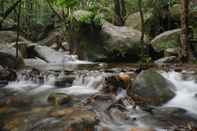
(186, 92)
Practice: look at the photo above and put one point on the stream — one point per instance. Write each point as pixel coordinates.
(26, 99)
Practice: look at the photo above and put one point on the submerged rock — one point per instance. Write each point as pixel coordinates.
(7, 75)
(142, 129)
(8, 58)
(77, 119)
(64, 81)
(59, 99)
(153, 87)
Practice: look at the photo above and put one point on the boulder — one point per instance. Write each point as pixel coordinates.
(165, 40)
(173, 114)
(23, 47)
(8, 24)
(134, 20)
(7, 75)
(171, 52)
(106, 42)
(8, 58)
(7, 37)
(34, 62)
(51, 56)
(153, 87)
(166, 60)
(63, 81)
(53, 38)
(121, 42)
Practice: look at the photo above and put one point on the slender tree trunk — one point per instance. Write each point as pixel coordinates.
(30, 13)
(18, 31)
(142, 20)
(2, 7)
(54, 11)
(185, 47)
(120, 12)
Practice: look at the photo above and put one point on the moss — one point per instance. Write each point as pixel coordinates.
(168, 44)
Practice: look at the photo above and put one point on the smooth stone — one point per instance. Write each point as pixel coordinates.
(153, 87)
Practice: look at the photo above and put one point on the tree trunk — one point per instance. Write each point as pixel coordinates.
(142, 20)
(120, 12)
(2, 7)
(185, 47)
(18, 31)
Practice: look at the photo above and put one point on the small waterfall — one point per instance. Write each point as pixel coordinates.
(186, 91)
(86, 83)
(32, 82)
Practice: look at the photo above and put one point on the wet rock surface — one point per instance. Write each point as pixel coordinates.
(8, 58)
(166, 60)
(95, 100)
(59, 99)
(153, 87)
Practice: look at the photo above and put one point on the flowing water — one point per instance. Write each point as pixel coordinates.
(186, 91)
(87, 83)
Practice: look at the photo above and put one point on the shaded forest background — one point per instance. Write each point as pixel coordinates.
(40, 17)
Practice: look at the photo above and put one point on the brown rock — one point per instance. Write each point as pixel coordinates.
(141, 129)
(77, 119)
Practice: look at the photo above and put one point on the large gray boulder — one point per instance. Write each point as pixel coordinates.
(8, 58)
(153, 87)
(7, 37)
(51, 56)
(121, 41)
(35, 62)
(8, 23)
(166, 40)
(52, 38)
(134, 20)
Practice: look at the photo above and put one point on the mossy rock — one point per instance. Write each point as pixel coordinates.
(58, 99)
(153, 87)
(166, 40)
